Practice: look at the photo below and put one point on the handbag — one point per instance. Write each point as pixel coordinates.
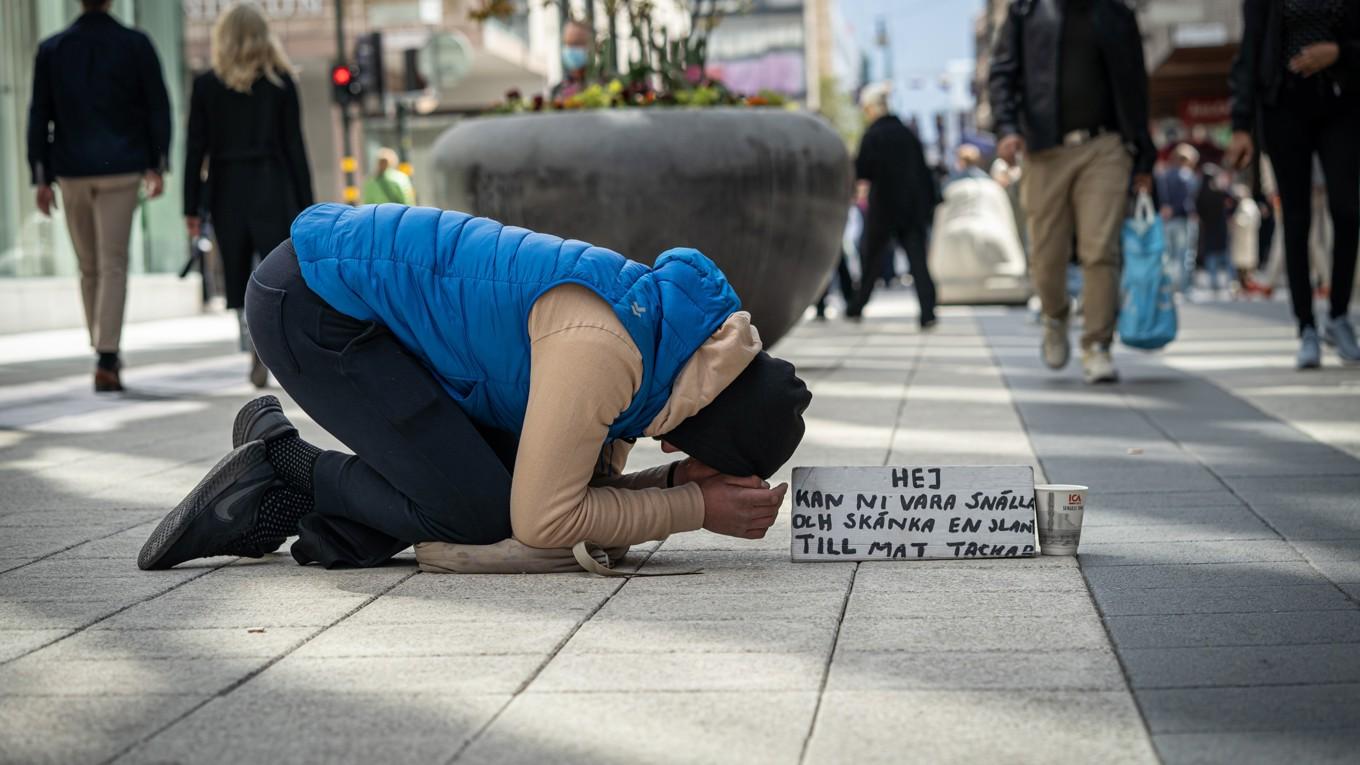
(1147, 313)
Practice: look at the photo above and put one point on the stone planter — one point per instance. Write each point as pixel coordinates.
(763, 192)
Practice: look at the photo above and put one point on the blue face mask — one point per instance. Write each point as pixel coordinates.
(574, 57)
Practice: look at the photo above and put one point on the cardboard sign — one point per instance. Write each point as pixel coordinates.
(913, 513)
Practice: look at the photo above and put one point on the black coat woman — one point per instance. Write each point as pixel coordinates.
(245, 138)
(1297, 78)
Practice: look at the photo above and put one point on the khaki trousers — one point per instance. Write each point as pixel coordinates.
(99, 212)
(1081, 192)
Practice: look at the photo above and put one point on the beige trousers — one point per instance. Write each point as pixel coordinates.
(99, 212)
(1081, 192)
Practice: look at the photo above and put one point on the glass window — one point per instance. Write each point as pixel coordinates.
(31, 245)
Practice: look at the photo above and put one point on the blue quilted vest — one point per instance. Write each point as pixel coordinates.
(457, 291)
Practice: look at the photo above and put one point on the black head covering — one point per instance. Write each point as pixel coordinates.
(753, 426)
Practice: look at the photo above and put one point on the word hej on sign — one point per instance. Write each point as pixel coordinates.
(908, 513)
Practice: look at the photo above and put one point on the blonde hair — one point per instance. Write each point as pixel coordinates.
(244, 49)
(1186, 153)
(968, 155)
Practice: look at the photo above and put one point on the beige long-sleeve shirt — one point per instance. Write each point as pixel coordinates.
(585, 370)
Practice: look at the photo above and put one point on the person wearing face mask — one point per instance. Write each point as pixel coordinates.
(577, 42)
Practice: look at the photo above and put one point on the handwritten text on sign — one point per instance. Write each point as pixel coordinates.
(908, 513)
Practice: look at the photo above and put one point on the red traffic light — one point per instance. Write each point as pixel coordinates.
(341, 75)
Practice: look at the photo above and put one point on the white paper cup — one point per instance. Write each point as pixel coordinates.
(1058, 512)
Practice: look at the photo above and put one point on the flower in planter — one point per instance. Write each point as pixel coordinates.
(662, 70)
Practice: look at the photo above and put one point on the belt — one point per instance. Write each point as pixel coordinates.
(1079, 137)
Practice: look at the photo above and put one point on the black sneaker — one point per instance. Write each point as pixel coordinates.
(260, 420)
(217, 517)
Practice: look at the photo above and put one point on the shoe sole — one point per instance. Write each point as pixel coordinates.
(1330, 341)
(251, 414)
(202, 499)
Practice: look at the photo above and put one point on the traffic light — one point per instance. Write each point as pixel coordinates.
(368, 66)
(345, 87)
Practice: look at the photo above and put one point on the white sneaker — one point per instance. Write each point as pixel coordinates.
(1056, 348)
(1097, 366)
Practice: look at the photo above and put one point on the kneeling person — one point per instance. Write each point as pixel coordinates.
(490, 382)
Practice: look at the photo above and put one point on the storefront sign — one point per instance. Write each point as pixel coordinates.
(1205, 111)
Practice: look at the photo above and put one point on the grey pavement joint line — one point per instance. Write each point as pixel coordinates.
(111, 614)
(902, 402)
(222, 693)
(1104, 621)
(477, 734)
(826, 669)
(68, 548)
(850, 587)
(1152, 421)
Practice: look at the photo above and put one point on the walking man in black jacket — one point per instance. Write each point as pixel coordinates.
(99, 126)
(902, 197)
(1068, 85)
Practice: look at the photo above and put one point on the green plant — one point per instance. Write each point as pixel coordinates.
(661, 70)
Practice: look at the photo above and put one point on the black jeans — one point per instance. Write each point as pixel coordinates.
(421, 470)
(1309, 119)
(878, 234)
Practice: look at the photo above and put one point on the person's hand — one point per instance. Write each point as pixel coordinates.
(740, 507)
(155, 184)
(1142, 183)
(1239, 150)
(1314, 58)
(46, 199)
(861, 193)
(1009, 147)
(1167, 212)
(193, 225)
(692, 471)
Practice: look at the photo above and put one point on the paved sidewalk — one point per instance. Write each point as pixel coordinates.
(1213, 618)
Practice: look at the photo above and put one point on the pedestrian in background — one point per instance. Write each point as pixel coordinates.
(1298, 72)
(1244, 237)
(1068, 84)
(1214, 206)
(99, 127)
(245, 139)
(578, 49)
(902, 198)
(967, 164)
(388, 183)
(1178, 189)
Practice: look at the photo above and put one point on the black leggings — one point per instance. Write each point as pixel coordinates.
(421, 470)
(1310, 119)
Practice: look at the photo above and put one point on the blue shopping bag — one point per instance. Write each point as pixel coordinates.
(1147, 313)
